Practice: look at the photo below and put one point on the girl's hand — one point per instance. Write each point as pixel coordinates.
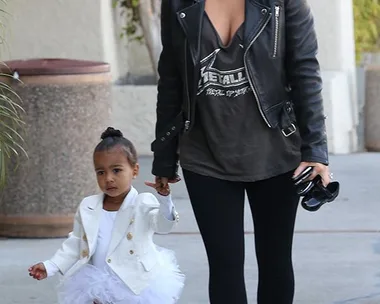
(318, 169)
(161, 184)
(38, 271)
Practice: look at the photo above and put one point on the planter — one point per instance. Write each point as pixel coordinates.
(67, 104)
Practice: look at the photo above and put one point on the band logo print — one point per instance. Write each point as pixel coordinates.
(229, 83)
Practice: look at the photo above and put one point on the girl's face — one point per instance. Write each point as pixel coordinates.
(114, 172)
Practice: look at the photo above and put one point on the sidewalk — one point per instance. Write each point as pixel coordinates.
(336, 250)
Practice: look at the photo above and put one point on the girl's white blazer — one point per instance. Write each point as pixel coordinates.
(132, 255)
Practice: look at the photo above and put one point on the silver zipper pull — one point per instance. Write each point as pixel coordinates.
(187, 125)
(277, 11)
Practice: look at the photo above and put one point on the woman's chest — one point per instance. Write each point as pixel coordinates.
(226, 16)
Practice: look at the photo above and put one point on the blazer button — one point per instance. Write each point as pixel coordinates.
(131, 252)
(182, 15)
(84, 238)
(132, 221)
(109, 261)
(129, 236)
(85, 253)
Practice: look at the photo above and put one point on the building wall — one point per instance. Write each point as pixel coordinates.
(68, 29)
(78, 29)
(335, 30)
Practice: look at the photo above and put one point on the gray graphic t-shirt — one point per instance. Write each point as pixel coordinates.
(230, 140)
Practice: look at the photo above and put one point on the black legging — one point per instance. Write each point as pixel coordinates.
(219, 208)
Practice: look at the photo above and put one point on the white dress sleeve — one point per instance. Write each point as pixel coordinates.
(161, 212)
(51, 268)
(69, 254)
(166, 206)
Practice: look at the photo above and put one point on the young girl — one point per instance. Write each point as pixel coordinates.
(110, 257)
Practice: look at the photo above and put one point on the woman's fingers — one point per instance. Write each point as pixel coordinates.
(175, 179)
(302, 166)
(161, 185)
(318, 169)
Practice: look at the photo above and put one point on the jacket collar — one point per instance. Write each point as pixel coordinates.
(91, 214)
(96, 201)
(191, 19)
(256, 16)
(123, 219)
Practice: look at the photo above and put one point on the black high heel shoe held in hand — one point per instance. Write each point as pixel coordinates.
(314, 194)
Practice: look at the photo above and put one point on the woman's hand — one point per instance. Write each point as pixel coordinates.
(38, 271)
(161, 184)
(318, 169)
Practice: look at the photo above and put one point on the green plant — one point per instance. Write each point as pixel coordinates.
(130, 8)
(143, 16)
(367, 26)
(10, 123)
(10, 119)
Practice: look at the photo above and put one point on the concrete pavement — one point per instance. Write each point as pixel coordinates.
(336, 250)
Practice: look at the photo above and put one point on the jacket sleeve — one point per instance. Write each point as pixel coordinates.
(303, 74)
(169, 97)
(51, 268)
(69, 253)
(159, 221)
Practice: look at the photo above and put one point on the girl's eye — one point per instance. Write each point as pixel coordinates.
(100, 172)
(116, 170)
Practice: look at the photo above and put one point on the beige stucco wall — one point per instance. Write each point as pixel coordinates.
(335, 29)
(58, 28)
(80, 29)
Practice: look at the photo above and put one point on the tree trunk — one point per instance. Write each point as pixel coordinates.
(151, 26)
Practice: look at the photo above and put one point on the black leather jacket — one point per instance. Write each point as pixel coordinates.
(280, 58)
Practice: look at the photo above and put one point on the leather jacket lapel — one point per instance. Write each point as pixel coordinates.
(122, 220)
(191, 18)
(90, 215)
(256, 15)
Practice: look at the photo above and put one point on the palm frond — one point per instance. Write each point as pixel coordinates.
(11, 121)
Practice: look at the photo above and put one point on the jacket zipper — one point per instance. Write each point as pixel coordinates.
(248, 75)
(187, 121)
(276, 30)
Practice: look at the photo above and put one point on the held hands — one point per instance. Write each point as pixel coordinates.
(161, 184)
(38, 271)
(318, 169)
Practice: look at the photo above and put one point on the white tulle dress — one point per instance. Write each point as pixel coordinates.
(97, 283)
(93, 285)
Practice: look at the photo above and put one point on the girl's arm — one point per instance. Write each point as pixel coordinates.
(167, 207)
(69, 253)
(51, 268)
(162, 213)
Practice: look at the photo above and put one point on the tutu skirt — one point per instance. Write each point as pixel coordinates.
(91, 285)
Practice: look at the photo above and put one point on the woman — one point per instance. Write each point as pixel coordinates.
(240, 107)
